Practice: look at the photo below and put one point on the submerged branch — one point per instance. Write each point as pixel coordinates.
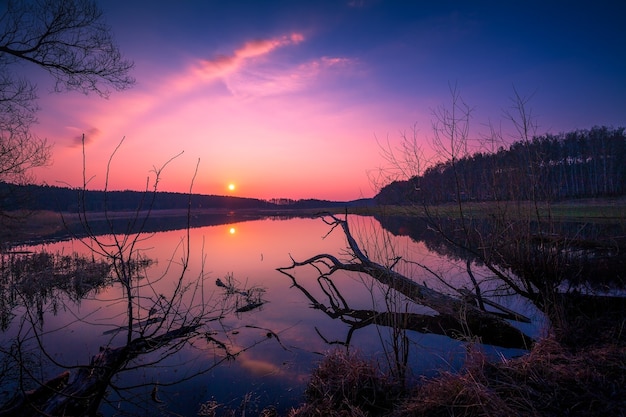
(453, 313)
(81, 395)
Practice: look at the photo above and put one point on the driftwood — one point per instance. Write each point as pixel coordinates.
(456, 317)
(357, 318)
(82, 394)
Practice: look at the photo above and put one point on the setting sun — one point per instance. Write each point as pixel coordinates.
(231, 187)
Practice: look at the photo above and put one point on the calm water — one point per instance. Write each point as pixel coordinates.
(273, 371)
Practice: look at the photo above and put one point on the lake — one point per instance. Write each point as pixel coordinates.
(277, 342)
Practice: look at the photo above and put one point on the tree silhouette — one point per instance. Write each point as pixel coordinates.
(156, 314)
(70, 41)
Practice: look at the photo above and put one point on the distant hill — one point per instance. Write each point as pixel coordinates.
(65, 199)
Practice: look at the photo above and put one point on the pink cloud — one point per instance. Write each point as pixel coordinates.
(265, 46)
(272, 80)
(138, 104)
(242, 114)
(220, 66)
(89, 135)
(243, 74)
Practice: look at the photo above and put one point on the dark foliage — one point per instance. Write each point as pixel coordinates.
(65, 199)
(550, 381)
(71, 200)
(579, 164)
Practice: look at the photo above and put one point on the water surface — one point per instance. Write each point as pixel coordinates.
(275, 370)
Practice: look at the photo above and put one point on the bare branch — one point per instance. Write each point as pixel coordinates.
(490, 328)
(69, 39)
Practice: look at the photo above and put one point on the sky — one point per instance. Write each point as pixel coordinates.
(294, 99)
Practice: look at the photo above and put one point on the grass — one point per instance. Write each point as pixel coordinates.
(27, 225)
(347, 384)
(550, 381)
(563, 375)
(591, 209)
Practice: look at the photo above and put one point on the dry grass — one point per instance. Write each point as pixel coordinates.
(579, 321)
(347, 385)
(550, 381)
(554, 379)
(24, 225)
(578, 370)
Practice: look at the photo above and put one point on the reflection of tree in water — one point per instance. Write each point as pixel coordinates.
(557, 252)
(42, 283)
(454, 316)
(402, 304)
(337, 307)
(468, 307)
(43, 280)
(150, 315)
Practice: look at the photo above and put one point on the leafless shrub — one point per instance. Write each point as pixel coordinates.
(348, 385)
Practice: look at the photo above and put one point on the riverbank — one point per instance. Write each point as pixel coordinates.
(36, 224)
(583, 209)
(579, 369)
(27, 227)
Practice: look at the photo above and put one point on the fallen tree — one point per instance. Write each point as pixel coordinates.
(82, 394)
(459, 318)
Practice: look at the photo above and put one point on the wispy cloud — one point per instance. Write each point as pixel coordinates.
(205, 70)
(264, 46)
(258, 81)
(90, 135)
(253, 70)
(249, 71)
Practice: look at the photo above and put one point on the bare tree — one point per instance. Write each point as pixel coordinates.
(70, 41)
(409, 158)
(160, 315)
(497, 211)
(489, 237)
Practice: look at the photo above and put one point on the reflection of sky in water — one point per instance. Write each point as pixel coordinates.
(251, 251)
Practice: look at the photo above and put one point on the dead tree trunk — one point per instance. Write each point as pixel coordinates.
(462, 320)
(82, 394)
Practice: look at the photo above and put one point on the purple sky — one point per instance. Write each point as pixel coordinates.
(290, 98)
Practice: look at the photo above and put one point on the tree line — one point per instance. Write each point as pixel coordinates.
(577, 164)
(71, 200)
(66, 199)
